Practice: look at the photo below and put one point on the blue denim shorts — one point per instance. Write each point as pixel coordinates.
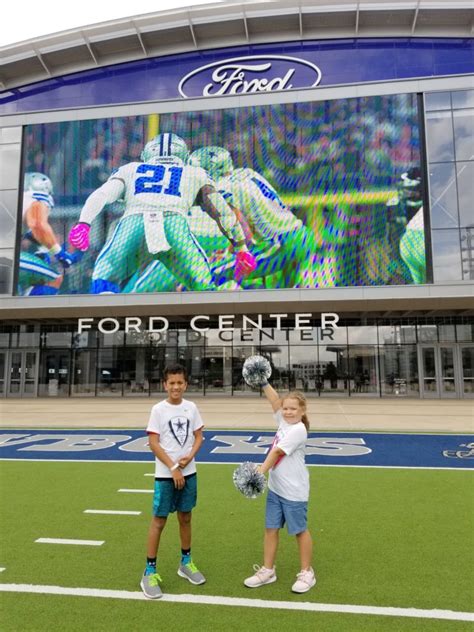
(167, 499)
(280, 511)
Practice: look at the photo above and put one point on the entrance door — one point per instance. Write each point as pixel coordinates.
(440, 374)
(466, 353)
(23, 377)
(54, 373)
(3, 372)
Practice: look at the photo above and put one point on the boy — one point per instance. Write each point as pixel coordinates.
(175, 436)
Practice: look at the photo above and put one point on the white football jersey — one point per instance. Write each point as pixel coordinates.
(36, 196)
(416, 222)
(170, 186)
(260, 204)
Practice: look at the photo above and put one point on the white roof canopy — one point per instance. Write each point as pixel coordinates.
(227, 24)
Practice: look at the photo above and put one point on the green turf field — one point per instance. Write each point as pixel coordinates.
(383, 537)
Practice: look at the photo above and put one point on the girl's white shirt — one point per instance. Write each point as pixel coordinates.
(289, 477)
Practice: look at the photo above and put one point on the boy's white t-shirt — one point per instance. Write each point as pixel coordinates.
(289, 477)
(176, 424)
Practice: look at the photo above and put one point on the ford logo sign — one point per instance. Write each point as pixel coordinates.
(245, 75)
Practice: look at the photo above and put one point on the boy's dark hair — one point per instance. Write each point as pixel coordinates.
(175, 369)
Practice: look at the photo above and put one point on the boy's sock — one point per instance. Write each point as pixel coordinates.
(150, 566)
(185, 556)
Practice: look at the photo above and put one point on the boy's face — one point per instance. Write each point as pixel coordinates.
(175, 385)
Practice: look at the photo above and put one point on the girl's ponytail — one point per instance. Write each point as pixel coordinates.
(305, 420)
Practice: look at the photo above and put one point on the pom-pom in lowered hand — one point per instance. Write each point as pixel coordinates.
(248, 480)
(256, 371)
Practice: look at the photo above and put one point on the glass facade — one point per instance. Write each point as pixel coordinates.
(419, 357)
(10, 146)
(397, 357)
(450, 148)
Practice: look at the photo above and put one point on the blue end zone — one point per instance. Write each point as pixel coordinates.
(229, 446)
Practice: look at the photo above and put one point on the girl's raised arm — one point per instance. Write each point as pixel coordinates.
(273, 397)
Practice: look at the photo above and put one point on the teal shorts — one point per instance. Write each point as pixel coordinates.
(167, 499)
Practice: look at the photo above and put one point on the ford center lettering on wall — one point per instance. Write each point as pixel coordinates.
(254, 73)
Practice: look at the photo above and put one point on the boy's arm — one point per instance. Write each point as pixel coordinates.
(198, 438)
(273, 397)
(160, 453)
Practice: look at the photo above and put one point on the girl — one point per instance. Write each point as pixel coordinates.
(288, 490)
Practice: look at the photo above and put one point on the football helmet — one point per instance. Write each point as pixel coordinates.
(163, 148)
(35, 181)
(410, 187)
(217, 161)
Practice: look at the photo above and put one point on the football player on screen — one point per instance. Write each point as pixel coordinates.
(40, 245)
(158, 193)
(286, 251)
(406, 211)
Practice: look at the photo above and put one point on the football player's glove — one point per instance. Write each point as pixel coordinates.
(79, 236)
(245, 264)
(64, 257)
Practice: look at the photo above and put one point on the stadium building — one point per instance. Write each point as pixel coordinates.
(314, 204)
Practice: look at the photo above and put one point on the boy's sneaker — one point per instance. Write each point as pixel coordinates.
(262, 576)
(150, 585)
(304, 581)
(190, 572)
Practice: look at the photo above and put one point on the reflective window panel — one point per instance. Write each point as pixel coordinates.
(465, 181)
(84, 369)
(437, 101)
(8, 215)
(462, 99)
(446, 255)
(443, 196)
(399, 371)
(464, 134)
(467, 253)
(439, 134)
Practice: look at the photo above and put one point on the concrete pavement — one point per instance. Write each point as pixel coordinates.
(355, 413)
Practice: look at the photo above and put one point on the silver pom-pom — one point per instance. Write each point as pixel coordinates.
(256, 371)
(248, 481)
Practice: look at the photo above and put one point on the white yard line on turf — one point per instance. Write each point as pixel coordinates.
(112, 512)
(67, 541)
(2, 569)
(137, 491)
(416, 613)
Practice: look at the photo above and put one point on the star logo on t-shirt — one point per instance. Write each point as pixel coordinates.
(179, 427)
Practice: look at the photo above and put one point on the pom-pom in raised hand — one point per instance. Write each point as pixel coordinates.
(248, 480)
(256, 371)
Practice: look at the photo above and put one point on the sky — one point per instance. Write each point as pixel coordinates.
(26, 19)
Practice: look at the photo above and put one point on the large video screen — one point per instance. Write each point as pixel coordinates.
(301, 195)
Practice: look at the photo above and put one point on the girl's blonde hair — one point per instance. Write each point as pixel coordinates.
(301, 399)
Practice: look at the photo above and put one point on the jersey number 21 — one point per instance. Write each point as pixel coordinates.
(159, 179)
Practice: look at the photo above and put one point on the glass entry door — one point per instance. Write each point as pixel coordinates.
(440, 374)
(3, 372)
(23, 373)
(467, 369)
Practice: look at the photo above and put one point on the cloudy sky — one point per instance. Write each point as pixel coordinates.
(26, 20)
